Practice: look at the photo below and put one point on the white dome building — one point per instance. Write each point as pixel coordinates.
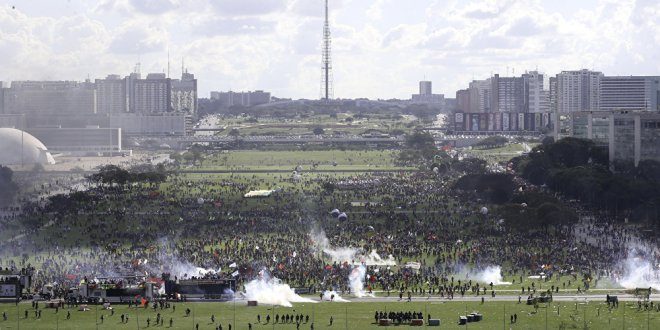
(33, 151)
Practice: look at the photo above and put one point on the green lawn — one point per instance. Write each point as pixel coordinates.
(350, 160)
(499, 154)
(354, 315)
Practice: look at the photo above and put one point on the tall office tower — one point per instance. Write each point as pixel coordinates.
(130, 86)
(578, 91)
(425, 88)
(153, 95)
(536, 98)
(507, 94)
(552, 93)
(426, 95)
(630, 93)
(184, 94)
(463, 100)
(480, 96)
(111, 95)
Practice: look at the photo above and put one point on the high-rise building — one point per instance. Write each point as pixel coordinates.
(130, 86)
(552, 94)
(153, 95)
(507, 94)
(184, 94)
(50, 98)
(535, 97)
(630, 93)
(480, 96)
(2, 97)
(463, 100)
(111, 95)
(426, 95)
(425, 88)
(578, 91)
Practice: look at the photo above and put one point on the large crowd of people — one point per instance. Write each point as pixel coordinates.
(188, 223)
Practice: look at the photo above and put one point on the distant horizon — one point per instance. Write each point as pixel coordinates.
(381, 48)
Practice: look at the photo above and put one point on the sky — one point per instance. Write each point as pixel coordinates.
(380, 48)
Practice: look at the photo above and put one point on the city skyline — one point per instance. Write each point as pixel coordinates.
(381, 49)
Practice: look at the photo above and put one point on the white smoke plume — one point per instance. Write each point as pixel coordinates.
(639, 270)
(271, 291)
(491, 274)
(169, 263)
(356, 281)
(354, 256)
(328, 296)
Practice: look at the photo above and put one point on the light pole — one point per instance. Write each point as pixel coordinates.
(96, 315)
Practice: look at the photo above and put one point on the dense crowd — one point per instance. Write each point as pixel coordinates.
(185, 225)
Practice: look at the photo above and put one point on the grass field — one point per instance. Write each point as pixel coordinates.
(308, 160)
(354, 315)
(299, 126)
(500, 154)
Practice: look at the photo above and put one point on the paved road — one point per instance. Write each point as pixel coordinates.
(565, 298)
(562, 298)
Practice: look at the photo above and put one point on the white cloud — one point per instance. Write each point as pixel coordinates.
(136, 38)
(380, 47)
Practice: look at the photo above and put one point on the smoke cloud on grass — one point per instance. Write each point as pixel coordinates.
(487, 275)
(639, 270)
(356, 281)
(351, 255)
(333, 296)
(271, 291)
(174, 265)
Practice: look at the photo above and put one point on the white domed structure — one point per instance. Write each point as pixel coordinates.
(33, 151)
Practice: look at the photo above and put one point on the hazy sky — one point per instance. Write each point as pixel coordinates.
(381, 48)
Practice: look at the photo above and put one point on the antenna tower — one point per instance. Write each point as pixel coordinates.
(326, 76)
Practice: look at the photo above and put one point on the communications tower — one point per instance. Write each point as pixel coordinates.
(326, 76)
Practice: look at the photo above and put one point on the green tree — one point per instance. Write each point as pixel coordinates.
(8, 188)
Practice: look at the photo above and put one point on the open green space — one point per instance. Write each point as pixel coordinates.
(353, 315)
(340, 123)
(335, 160)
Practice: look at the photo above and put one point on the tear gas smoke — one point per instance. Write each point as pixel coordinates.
(356, 281)
(638, 271)
(328, 296)
(351, 255)
(491, 274)
(271, 291)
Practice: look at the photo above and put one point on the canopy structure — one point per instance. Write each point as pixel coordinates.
(259, 193)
